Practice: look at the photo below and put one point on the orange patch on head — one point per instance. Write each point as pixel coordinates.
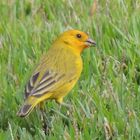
(75, 39)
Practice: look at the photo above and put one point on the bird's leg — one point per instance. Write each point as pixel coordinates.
(41, 106)
(60, 101)
(45, 122)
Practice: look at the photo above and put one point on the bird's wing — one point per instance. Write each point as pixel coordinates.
(48, 82)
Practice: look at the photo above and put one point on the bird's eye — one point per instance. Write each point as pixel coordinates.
(78, 35)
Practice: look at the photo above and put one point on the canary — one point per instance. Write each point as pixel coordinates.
(57, 71)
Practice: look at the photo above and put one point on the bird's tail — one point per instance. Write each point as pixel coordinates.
(28, 106)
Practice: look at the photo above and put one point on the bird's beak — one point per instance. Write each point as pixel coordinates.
(90, 42)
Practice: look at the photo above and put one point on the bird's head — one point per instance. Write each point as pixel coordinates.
(76, 40)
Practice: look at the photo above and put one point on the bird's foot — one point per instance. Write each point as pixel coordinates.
(66, 105)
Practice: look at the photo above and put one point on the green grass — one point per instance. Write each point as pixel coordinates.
(106, 100)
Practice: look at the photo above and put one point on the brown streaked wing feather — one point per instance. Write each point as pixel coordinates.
(45, 84)
(29, 87)
(48, 85)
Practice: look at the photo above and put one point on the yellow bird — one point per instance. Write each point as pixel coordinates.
(58, 70)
